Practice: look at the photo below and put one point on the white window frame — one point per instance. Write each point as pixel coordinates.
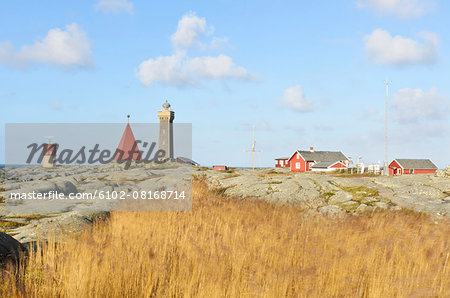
(297, 165)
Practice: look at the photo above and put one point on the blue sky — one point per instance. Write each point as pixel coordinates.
(304, 73)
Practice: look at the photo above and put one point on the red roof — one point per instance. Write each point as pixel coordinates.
(126, 144)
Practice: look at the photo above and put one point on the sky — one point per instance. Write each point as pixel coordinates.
(303, 73)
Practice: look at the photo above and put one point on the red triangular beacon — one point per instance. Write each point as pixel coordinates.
(127, 142)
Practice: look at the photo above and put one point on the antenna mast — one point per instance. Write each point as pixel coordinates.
(49, 138)
(253, 150)
(387, 83)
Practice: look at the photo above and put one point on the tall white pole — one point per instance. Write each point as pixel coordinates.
(386, 171)
(253, 150)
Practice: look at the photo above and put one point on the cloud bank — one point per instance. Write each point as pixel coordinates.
(180, 70)
(404, 9)
(415, 105)
(383, 48)
(67, 48)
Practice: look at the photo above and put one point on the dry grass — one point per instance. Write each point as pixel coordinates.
(231, 248)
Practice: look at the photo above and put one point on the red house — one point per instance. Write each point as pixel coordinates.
(303, 161)
(282, 162)
(220, 168)
(411, 166)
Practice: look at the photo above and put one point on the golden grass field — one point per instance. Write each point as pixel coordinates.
(233, 248)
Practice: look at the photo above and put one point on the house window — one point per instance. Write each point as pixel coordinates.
(297, 165)
(411, 171)
(298, 155)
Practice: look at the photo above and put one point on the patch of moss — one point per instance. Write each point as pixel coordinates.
(2, 197)
(275, 182)
(329, 194)
(231, 176)
(202, 168)
(7, 224)
(273, 172)
(360, 192)
(31, 216)
(349, 207)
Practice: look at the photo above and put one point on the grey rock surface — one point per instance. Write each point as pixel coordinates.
(87, 193)
(422, 192)
(443, 173)
(332, 211)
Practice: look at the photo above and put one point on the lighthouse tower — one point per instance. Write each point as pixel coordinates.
(165, 142)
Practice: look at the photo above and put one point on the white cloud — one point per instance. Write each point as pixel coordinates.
(166, 69)
(190, 27)
(178, 70)
(115, 6)
(404, 9)
(66, 48)
(181, 70)
(219, 67)
(382, 48)
(414, 105)
(294, 99)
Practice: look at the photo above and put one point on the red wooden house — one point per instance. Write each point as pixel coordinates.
(282, 162)
(220, 168)
(303, 161)
(411, 166)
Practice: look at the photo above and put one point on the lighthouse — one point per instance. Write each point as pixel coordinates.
(165, 141)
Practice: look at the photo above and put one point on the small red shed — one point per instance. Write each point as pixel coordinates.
(282, 162)
(411, 166)
(220, 168)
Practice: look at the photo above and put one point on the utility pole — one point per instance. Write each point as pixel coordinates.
(253, 150)
(386, 172)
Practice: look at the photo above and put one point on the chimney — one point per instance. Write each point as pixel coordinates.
(311, 149)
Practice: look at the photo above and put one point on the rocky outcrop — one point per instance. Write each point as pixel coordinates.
(10, 250)
(443, 173)
(79, 195)
(332, 211)
(352, 194)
